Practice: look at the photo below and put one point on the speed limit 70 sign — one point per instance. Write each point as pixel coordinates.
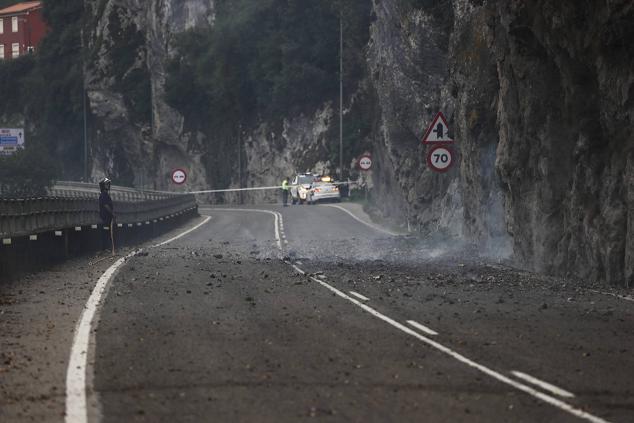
(440, 158)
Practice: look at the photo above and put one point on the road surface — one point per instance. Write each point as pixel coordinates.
(308, 313)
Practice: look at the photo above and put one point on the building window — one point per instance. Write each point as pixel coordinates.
(1, 51)
(14, 24)
(15, 50)
(1, 26)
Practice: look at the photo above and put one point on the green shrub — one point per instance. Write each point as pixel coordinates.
(27, 173)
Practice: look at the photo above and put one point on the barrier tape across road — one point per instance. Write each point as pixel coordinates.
(211, 191)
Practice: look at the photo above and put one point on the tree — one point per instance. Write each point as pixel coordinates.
(27, 173)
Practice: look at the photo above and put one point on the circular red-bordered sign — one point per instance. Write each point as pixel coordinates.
(365, 162)
(179, 176)
(440, 158)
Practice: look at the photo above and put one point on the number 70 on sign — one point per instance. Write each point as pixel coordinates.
(440, 158)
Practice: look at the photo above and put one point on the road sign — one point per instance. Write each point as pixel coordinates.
(365, 162)
(440, 158)
(11, 139)
(179, 176)
(438, 131)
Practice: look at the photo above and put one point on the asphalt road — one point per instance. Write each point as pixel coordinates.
(306, 313)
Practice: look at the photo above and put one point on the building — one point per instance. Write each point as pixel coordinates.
(22, 28)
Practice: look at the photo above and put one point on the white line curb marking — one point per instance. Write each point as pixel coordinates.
(544, 385)
(621, 297)
(76, 409)
(184, 233)
(375, 227)
(359, 296)
(422, 327)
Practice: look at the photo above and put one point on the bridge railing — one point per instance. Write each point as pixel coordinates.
(75, 204)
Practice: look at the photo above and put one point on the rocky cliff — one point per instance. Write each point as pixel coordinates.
(137, 137)
(538, 96)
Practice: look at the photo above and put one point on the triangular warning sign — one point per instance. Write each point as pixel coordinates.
(438, 131)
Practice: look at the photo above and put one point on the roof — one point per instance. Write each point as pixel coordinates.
(21, 7)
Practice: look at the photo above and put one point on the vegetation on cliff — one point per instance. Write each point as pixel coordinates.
(263, 61)
(45, 90)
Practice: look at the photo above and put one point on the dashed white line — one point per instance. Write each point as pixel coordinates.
(359, 296)
(492, 373)
(422, 327)
(544, 385)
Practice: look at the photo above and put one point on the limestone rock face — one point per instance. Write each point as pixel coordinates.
(565, 114)
(138, 138)
(540, 99)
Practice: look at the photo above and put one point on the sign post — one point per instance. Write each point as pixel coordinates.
(438, 131)
(441, 156)
(365, 162)
(179, 176)
(11, 140)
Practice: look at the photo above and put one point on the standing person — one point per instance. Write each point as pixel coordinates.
(106, 211)
(285, 189)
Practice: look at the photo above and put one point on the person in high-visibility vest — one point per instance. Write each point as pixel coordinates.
(285, 189)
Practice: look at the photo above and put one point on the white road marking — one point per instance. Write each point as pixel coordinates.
(76, 410)
(359, 296)
(278, 218)
(375, 227)
(422, 327)
(621, 297)
(544, 385)
(300, 271)
(184, 233)
(492, 373)
(76, 384)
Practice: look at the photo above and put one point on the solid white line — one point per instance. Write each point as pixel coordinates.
(277, 216)
(375, 227)
(492, 373)
(76, 410)
(422, 327)
(359, 296)
(184, 233)
(76, 386)
(300, 271)
(621, 297)
(544, 385)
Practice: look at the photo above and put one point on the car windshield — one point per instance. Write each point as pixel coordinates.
(305, 179)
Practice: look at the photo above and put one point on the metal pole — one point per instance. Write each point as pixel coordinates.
(83, 76)
(340, 95)
(85, 136)
(240, 163)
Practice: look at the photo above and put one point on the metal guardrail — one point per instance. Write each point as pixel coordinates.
(84, 189)
(77, 205)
